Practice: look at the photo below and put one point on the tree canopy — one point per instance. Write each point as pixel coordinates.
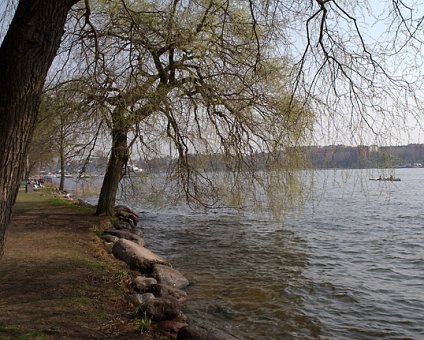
(227, 77)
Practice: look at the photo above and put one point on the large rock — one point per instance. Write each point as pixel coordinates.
(109, 238)
(160, 309)
(140, 299)
(168, 292)
(125, 213)
(203, 332)
(123, 225)
(172, 293)
(136, 256)
(168, 329)
(142, 283)
(169, 276)
(125, 234)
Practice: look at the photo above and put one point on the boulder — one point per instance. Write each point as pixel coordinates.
(123, 212)
(142, 283)
(109, 238)
(160, 309)
(171, 293)
(109, 246)
(122, 225)
(160, 290)
(137, 231)
(169, 276)
(168, 328)
(203, 332)
(140, 299)
(136, 256)
(124, 234)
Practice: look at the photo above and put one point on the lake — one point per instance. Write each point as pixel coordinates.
(350, 265)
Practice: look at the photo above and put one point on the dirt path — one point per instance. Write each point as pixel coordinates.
(56, 280)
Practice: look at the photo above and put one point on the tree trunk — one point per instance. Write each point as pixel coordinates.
(62, 158)
(118, 159)
(26, 54)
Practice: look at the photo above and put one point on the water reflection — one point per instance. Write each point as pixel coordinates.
(247, 276)
(349, 266)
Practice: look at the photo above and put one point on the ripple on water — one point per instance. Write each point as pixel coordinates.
(350, 268)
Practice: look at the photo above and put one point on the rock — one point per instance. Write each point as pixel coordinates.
(137, 231)
(125, 234)
(169, 276)
(109, 238)
(83, 203)
(142, 283)
(136, 256)
(160, 290)
(203, 332)
(128, 221)
(160, 309)
(168, 328)
(122, 225)
(109, 246)
(172, 293)
(140, 299)
(123, 212)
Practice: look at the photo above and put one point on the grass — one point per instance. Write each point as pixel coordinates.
(56, 271)
(16, 333)
(143, 323)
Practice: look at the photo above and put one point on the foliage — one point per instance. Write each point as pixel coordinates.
(192, 78)
(143, 323)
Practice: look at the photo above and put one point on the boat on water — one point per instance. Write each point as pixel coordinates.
(389, 179)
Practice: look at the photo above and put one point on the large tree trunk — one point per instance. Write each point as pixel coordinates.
(118, 159)
(26, 54)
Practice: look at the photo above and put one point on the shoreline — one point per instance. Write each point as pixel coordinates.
(150, 292)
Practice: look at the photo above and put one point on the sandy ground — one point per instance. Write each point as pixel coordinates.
(56, 280)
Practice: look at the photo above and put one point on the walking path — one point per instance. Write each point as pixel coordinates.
(56, 280)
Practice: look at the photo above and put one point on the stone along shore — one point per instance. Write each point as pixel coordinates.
(158, 294)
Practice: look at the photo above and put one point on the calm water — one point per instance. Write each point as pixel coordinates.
(349, 266)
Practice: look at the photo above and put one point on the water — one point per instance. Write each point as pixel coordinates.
(349, 266)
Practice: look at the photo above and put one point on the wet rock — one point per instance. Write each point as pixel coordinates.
(122, 225)
(125, 213)
(168, 328)
(169, 276)
(168, 292)
(172, 292)
(160, 309)
(140, 299)
(203, 332)
(142, 283)
(137, 231)
(109, 238)
(125, 234)
(136, 256)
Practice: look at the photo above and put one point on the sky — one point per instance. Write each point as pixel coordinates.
(387, 114)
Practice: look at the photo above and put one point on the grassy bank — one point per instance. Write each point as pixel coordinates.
(56, 280)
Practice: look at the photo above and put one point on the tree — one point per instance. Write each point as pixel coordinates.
(64, 127)
(338, 71)
(26, 53)
(199, 71)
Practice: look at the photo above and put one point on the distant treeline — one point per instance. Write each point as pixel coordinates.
(340, 156)
(320, 157)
